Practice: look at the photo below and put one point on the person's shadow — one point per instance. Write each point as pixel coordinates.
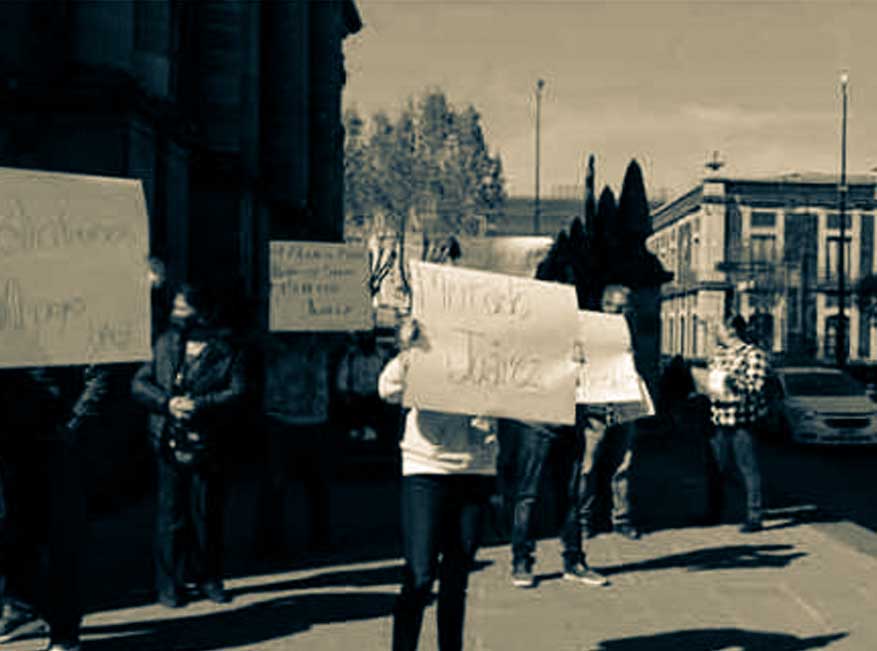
(361, 578)
(255, 624)
(718, 639)
(715, 558)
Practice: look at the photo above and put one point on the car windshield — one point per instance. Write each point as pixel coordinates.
(822, 384)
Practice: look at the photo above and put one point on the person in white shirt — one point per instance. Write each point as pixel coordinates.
(448, 474)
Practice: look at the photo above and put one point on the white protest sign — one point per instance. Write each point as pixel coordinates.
(73, 274)
(319, 286)
(608, 373)
(493, 345)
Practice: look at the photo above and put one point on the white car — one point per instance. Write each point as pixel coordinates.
(825, 406)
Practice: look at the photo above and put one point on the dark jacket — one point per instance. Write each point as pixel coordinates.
(215, 380)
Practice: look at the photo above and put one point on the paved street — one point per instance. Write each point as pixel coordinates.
(791, 587)
(839, 481)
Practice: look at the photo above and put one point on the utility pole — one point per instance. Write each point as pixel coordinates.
(841, 337)
(537, 208)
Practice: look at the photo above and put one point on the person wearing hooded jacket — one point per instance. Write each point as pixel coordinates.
(190, 387)
(448, 474)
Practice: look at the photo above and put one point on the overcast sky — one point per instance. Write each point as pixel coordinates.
(664, 82)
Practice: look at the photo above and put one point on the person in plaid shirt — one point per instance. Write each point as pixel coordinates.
(737, 374)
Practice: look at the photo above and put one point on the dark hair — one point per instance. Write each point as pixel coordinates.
(199, 299)
(738, 324)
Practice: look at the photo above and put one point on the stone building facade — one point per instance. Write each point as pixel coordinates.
(767, 248)
(229, 112)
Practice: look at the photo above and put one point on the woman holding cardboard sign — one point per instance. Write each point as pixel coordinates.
(448, 469)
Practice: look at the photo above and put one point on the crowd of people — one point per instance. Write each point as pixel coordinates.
(198, 376)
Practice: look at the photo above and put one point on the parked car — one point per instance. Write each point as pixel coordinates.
(822, 405)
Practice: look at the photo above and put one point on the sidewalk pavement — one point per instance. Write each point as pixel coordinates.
(790, 587)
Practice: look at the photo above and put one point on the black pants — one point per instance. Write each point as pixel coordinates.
(736, 446)
(189, 526)
(67, 527)
(441, 531)
(533, 446)
(46, 510)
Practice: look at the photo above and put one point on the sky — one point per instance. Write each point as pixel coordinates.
(664, 82)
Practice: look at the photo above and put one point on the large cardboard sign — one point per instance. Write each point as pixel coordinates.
(73, 274)
(493, 344)
(606, 371)
(319, 286)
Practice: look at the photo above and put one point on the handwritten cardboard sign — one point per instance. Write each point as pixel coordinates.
(73, 276)
(319, 286)
(493, 345)
(608, 373)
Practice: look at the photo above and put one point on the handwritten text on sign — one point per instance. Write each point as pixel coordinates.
(319, 286)
(494, 345)
(73, 281)
(608, 373)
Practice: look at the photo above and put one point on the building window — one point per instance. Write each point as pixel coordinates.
(832, 251)
(832, 302)
(694, 336)
(763, 248)
(831, 335)
(682, 335)
(763, 219)
(834, 220)
(671, 343)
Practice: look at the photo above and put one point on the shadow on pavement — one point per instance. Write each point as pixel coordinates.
(717, 639)
(377, 576)
(715, 558)
(255, 624)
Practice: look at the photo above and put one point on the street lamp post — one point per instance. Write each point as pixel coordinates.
(841, 338)
(537, 208)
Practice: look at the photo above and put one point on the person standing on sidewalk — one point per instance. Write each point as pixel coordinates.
(737, 373)
(448, 474)
(609, 444)
(193, 381)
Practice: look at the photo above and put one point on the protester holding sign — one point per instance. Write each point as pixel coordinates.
(448, 468)
(609, 432)
(195, 378)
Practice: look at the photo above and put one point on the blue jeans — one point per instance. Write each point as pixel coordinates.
(532, 446)
(607, 459)
(441, 531)
(737, 445)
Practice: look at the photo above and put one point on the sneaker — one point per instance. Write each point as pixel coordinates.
(171, 600)
(522, 575)
(628, 531)
(583, 574)
(750, 526)
(215, 592)
(63, 646)
(17, 623)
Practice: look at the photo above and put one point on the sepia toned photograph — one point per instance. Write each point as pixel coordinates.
(496, 325)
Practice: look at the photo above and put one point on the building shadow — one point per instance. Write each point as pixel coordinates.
(363, 578)
(728, 557)
(718, 639)
(250, 625)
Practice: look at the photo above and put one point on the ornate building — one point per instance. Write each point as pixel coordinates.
(768, 248)
(228, 111)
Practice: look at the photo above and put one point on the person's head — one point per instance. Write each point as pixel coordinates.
(191, 307)
(156, 272)
(731, 331)
(616, 299)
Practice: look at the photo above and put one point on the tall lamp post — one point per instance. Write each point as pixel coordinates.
(537, 208)
(841, 338)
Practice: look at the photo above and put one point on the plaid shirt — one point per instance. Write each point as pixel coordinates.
(742, 401)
